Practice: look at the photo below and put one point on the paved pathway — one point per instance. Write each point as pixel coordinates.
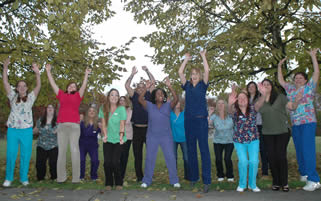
(145, 195)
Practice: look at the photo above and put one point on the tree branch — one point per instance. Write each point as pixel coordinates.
(6, 2)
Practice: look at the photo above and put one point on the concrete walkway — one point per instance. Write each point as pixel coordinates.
(10, 194)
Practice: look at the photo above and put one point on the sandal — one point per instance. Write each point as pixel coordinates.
(275, 188)
(285, 188)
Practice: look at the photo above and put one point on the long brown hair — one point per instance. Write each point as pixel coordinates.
(237, 107)
(25, 98)
(107, 105)
(95, 120)
(70, 83)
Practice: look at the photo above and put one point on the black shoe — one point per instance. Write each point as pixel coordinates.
(206, 188)
(193, 183)
(138, 180)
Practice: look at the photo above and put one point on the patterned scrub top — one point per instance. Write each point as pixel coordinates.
(245, 130)
(305, 112)
(21, 113)
(47, 136)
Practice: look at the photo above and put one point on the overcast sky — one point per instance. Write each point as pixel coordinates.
(117, 31)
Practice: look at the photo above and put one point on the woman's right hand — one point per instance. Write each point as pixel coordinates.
(48, 67)
(105, 139)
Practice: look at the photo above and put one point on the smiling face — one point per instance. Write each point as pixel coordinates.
(122, 101)
(252, 89)
(195, 76)
(220, 106)
(140, 88)
(159, 96)
(242, 100)
(91, 113)
(50, 110)
(113, 97)
(299, 80)
(22, 88)
(268, 87)
(72, 87)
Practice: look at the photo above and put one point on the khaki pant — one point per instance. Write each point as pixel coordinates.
(68, 132)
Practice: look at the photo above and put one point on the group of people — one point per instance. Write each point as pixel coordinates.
(252, 121)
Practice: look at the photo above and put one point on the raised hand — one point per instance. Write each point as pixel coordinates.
(134, 70)
(88, 70)
(187, 56)
(35, 68)
(148, 83)
(313, 52)
(203, 53)
(6, 63)
(145, 68)
(48, 67)
(282, 61)
(167, 82)
(232, 98)
(262, 89)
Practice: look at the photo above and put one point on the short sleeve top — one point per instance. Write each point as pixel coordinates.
(21, 113)
(47, 136)
(69, 107)
(139, 115)
(305, 112)
(245, 130)
(88, 134)
(223, 129)
(177, 126)
(195, 99)
(113, 126)
(159, 119)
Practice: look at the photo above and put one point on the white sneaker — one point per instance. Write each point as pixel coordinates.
(144, 185)
(25, 183)
(255, 190)
(311, 186)
(304, 178)
(220, 179)
(230, 180)
(239, 189)
(177, 185)
(6, 183)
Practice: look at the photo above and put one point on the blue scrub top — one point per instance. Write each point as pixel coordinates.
(177, 125)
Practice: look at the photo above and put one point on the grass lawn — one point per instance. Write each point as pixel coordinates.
(160, 179)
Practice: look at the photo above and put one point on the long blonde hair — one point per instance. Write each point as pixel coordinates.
(95, 120)
(225, 108)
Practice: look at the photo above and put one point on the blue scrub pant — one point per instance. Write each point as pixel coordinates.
(304, 142)
(248, 155)
(196, 130)
(16, 137)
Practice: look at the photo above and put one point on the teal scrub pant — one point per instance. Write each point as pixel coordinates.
(16, 137)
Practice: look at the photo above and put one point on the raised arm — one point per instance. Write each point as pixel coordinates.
(280, 76)
(151, 78)
(175, 99)
(232, 99)
(130, 90)
(259, 103)
(182, 68)
(84, 83)
(35, 68)
(51, 80)
(5, 75)
(206, 67)
(316, 70)
(141, 98)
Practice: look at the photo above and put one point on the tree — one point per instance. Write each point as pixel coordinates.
(58, 32)
(244, 39)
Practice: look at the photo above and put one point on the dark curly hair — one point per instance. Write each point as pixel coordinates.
(153, 95)
(301, 73)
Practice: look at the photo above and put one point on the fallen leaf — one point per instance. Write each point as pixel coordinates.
(173, 197)
(195, 190)
(198, 195)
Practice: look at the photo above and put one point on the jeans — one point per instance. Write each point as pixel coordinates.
(228, 150)
(304, 141)
(248, 155)
(41, 162)
(183, 146)
(196, 130)
(277, 150)
(15, 138)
